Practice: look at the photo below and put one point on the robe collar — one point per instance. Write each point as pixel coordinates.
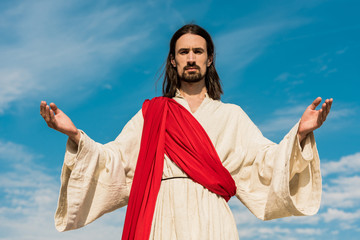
(178, 94)
(181, 100)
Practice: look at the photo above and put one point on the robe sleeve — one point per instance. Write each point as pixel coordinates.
(277, 180)
(95, 178)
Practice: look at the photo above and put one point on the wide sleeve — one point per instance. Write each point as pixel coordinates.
(95, 178)
(276, 180)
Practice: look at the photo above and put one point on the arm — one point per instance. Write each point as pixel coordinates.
(279, 180)
(95, 178)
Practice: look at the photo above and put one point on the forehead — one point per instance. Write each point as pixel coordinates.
(189, 40)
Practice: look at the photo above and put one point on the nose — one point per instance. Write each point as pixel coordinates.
(191, 57)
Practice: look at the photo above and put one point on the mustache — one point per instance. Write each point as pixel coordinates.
(191, 66)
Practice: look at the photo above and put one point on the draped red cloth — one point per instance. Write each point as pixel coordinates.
(171, 129)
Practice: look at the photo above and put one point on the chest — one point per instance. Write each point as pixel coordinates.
(194, 104)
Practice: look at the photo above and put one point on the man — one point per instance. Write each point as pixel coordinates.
(181, 157)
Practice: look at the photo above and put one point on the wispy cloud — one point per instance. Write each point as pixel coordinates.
(14, 153)
(338, 215)
(56, 52)
(342, 182)
(342, 51)
(341, 196)
(282, 119)
(245, 44)
(342, 192)
(341, 113)
(278, 232)
(29, 197)
(241, 214)
(304, 220)
(283, 77)
(346, 165)
(249, 227)
(324, 64)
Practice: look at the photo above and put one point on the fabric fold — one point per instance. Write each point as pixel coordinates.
(172, 130)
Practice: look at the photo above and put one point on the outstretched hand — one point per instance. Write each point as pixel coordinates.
(312, 118)
(58, 120)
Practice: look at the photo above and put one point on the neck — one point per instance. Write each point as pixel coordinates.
(194, 93)
(193, 90)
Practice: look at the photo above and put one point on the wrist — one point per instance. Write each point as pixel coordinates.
(75, 136)
(301, 136)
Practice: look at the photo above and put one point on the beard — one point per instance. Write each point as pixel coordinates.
(191, 77)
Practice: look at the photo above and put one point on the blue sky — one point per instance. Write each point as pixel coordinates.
(98, 61)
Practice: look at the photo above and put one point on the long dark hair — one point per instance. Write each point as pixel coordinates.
(171, 79)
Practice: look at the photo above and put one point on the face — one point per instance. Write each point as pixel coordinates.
(191, 59)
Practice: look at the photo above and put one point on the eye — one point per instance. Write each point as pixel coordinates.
(198, 51)
(183, 51)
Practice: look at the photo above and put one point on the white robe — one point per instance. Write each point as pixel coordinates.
(272, 180)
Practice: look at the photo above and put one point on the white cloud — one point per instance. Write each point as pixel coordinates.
(245, 44)
(340, 113)
(342, 192)
(241, 214)
(302, 220)
(286, 76)
(339, 215)
(29, 198)
(262, 232)
(341, 196)
(342, 51)
(14, 153)
(283, 119)
(323, 64)
(308, 231)
(278, 232)
(283, 77)
(340, 206)
(346, 165)
(249, 227)
(20, 83)
(55, 52)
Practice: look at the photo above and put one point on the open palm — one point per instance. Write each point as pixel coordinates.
(312, 118)
(57, 119)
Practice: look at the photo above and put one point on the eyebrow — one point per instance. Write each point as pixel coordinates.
(194, 49)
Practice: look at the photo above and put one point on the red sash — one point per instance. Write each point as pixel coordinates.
(171, 129)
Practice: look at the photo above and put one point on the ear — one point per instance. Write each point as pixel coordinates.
(209, 61)
(173, 61)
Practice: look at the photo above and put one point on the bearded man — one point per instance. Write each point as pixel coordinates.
(180, 159)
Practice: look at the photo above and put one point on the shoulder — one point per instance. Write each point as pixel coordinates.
(231, 113)
(228, 108)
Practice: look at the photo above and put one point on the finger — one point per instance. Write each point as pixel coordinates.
(47, 114)
(315, 103)
(320, 117)
(54, 108)
(328, 107)
(42, 108)
(324, 112)
(330, 104)
(52, 118)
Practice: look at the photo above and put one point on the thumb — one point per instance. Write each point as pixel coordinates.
(55, 108)
(315, 103)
